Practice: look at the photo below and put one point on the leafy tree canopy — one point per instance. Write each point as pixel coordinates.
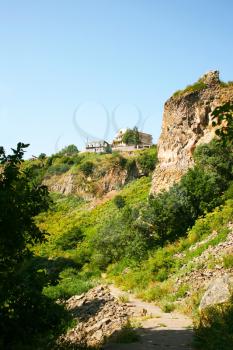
(131, 137)
(69, 150)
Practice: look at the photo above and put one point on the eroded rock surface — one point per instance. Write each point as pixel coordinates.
(186, 124)
(99, 315)
(219, 292)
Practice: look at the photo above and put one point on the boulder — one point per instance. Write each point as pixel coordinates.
(218, 292)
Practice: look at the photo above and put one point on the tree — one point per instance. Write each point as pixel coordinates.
(42, 156)
(20, 292)
(131, 137)
(69, 150)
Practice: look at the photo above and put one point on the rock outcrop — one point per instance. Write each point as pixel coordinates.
(219, 292)
(186, 124)
(99, 315)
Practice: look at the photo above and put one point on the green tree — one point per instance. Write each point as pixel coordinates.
(23, 309)
(42, 156)
(131, 137)
(69, 150)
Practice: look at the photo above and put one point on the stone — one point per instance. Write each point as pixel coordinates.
(99, 315)
(219, 292)
(187, 123)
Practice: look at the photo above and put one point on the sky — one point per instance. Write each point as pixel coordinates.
(76, 70)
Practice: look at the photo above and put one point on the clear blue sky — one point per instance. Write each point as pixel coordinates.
(66, 64)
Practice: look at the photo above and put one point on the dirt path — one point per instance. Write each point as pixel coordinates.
(159, 330)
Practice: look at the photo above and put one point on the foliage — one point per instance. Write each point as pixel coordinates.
(131, 137)
(119, 201)
(69, 150)
(228, 261)
(116, 239)
(215, 328)
(126, 335)
(169, 214)
(147, 161)
(71, 282)
(223, 119)
(58, 169)
(168, 307)
(42, 156)
(24, 311)
(198, 86)
(87, 168)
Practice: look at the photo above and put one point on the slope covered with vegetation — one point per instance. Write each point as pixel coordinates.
(155, 246)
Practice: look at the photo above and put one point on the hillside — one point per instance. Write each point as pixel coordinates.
(172, 248)
(166, 250)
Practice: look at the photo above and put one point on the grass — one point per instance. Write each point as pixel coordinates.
(127, 334)
(214, 329)
(198, 86)
(168, 307)
(228, 261)
(123, 298)
(154, 279)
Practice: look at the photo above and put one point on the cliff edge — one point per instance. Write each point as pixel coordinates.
(186, 124)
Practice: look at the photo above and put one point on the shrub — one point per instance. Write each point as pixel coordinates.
(119, 201)
(71, 283)
(168, 307)
(198, 86)
(87, 168)
(70, 239)
(58, 169)
(214, 331)
(147, 162)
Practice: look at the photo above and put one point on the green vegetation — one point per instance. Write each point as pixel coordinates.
(215, 328)
(228, 261)
(198, 86)
(140, 242)
(21, 282)
(131, 137)
(126, 335)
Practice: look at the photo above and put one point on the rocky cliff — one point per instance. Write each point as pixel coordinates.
(186, 124)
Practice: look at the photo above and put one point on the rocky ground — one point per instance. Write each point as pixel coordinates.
(101, 315)
(202, 273)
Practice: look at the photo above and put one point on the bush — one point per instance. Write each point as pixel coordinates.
(215, 328)
(116, 240)
(87, 168)
(169, 214)
(147, 161)
(58, 169)
(119, 201)
(71, 283)
(168, 307)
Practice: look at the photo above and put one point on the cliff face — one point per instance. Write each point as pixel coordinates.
(186, 124)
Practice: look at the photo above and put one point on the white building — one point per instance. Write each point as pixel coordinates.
(96, 146)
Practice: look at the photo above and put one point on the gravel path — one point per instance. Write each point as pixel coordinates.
(160, 331)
